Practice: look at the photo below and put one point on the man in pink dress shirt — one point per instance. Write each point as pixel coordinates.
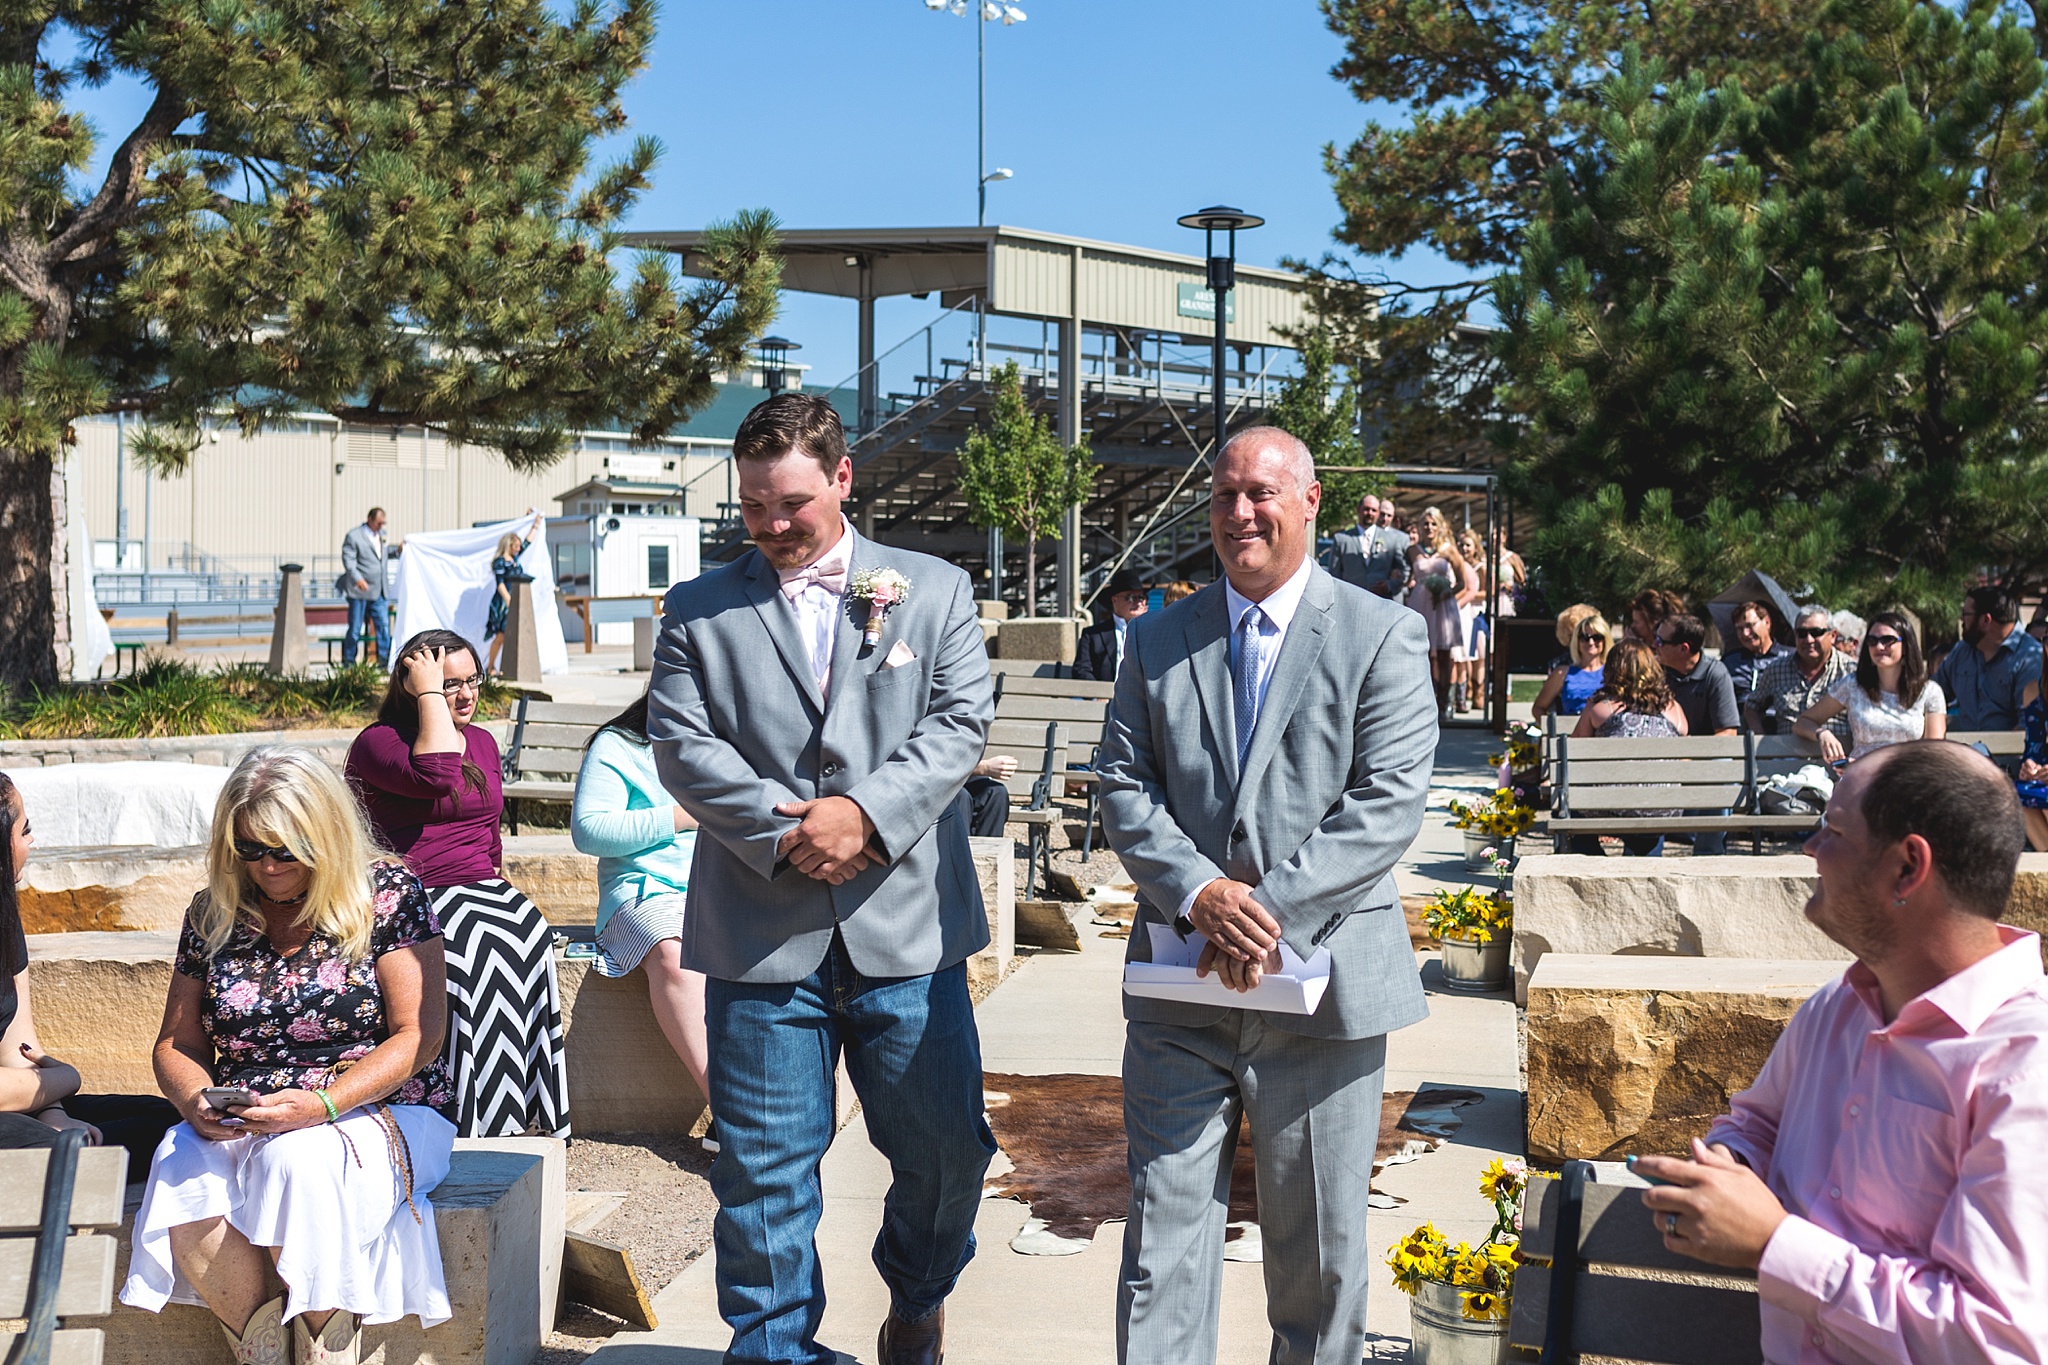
(1885, 1175)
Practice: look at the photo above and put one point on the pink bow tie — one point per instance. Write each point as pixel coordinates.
(832, 580)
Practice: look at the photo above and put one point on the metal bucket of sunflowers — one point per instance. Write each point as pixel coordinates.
(1459, 1293)
(1491, 826)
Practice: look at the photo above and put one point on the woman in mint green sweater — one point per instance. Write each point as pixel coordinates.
(643, 842)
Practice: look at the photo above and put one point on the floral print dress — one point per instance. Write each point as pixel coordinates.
(286, 1023)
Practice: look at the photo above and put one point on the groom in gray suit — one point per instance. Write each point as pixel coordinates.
(1266, 761)
(833, 901)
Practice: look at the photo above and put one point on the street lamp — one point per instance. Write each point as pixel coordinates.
(1222, 279)
(774, 355)
(983, 12)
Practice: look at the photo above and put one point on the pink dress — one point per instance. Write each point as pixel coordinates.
(1445, 626)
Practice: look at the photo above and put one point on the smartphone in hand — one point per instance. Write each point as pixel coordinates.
(1644, 1175)
(227, 1098)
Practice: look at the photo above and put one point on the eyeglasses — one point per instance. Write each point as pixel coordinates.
(473, 683)
(1592, 637)
(1663, 643)
(1814, 632)
(249, 851)
(1881, 641)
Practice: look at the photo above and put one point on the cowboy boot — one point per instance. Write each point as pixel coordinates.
(340, 1342)
(262, 1340)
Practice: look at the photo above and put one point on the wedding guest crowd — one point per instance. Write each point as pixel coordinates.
(1890, 698)
(1793, 683)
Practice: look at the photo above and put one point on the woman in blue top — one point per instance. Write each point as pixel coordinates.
(505, 571)
(1579, 674)
(643, 842)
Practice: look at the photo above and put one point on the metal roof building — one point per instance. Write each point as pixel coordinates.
(1114, 317)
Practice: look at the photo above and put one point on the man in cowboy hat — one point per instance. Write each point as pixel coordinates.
(1101, 648)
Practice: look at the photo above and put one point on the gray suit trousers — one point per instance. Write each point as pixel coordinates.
(1314, 1105)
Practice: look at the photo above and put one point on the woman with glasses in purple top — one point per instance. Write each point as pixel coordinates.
(430, 781)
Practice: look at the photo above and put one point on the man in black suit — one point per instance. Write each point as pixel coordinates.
(1101, 648)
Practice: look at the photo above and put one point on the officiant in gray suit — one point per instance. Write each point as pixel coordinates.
(1266, 762)
(820, 729)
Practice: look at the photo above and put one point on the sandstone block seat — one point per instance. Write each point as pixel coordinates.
(1641, 1054)
(489, 1213)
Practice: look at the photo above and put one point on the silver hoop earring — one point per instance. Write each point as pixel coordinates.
(1899, 901)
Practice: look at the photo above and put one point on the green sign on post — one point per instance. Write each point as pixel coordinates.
(1199, 301)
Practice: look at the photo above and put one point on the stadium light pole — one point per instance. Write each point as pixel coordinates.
(984, 10)
(1222, 279)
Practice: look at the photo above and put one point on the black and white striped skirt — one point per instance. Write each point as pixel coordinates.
(504, 1012)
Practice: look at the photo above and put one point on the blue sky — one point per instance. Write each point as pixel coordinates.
(1117, 116)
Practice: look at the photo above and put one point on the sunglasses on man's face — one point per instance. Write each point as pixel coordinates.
(250, 851)
(1810, 633)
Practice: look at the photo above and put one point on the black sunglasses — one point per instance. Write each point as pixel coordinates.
(1882, 641)
(249, 851)
(1589, 636)
(1812, 633)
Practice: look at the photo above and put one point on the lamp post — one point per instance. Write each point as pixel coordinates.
(1222, 279)
(984, 10)
(774, 356)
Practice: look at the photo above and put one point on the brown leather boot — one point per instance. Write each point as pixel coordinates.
(912, 1343)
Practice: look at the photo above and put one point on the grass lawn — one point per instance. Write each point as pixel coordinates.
(167, 698)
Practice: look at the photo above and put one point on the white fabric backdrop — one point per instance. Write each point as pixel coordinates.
(83, 805)
(445, 583)
(91, 641)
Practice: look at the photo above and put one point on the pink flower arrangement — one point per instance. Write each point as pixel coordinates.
(881, 589)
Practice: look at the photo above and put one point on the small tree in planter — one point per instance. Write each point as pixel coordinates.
(1017, 477)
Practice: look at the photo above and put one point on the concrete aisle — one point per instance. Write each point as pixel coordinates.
(1061, 1013)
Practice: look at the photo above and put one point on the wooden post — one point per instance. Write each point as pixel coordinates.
(171, 627)
(288, 627)
(520, 661)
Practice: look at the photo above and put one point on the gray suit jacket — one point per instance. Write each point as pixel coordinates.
(1331, 793)
(1376, 560)
(362, 556)
(737, 727)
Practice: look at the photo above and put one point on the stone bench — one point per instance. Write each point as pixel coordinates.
(1729, 907)
(1640, 1054)
(489, 1213)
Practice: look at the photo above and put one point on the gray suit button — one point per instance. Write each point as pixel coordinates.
(829, 770)
(1237, 835)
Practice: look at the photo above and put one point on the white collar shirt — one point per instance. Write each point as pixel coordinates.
(1122, 628)
(1278, 613)
(818, 609)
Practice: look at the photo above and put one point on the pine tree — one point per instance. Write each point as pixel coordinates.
(1498, 95)
(1801, 331)
(1320, 409)
(386, 212)
(1018, 478)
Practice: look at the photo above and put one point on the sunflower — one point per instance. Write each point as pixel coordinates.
(1503, 1179)
(1483, 1305)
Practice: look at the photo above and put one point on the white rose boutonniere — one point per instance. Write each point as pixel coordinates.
(881, 589)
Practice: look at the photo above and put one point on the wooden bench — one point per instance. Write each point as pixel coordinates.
(1657, 781)
(1610, 1289)
(49, 1271)
(546, 751)
(1041, 754)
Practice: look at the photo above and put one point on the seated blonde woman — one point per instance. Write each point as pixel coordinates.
(310, 973)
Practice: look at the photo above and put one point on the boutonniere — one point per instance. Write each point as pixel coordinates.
(881, 589)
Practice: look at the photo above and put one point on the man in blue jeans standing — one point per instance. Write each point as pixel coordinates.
(816, 705)
(362, 582)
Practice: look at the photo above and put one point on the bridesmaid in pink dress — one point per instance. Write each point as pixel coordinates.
(1440, 575)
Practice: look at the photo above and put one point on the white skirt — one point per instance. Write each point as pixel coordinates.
(345, 1236)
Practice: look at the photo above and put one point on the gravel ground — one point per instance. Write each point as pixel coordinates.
(664, 1224)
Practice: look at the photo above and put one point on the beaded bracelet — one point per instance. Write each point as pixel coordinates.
(333, 1114)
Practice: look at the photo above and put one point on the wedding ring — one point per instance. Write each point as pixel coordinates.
(1671, 1224)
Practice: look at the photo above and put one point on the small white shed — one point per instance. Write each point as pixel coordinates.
(618, 545)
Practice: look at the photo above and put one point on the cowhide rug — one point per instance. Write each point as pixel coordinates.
(1064, 1135)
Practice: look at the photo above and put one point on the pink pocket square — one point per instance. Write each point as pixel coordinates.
(899, 655)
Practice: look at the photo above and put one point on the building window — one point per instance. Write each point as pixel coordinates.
(657, 567)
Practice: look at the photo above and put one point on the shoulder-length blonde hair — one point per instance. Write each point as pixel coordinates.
(1577, 647)
(510, 545)
(290, 797)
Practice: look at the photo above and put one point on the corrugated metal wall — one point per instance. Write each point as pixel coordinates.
(1033, 279)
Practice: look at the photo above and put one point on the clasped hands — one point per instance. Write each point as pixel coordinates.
(832, 840)
(1244, 940)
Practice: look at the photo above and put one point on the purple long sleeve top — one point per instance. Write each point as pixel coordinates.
(421, 809)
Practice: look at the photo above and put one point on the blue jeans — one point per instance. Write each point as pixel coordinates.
(379, 613)
(915, 1060)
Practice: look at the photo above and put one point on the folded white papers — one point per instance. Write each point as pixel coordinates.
(1296, 989)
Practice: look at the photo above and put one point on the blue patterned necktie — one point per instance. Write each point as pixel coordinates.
(1250, 656)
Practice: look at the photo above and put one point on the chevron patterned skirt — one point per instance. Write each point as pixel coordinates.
(504, 1012)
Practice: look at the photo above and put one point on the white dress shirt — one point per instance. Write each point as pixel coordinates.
(1279, 608)
(818, 609)
(1121, 626)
